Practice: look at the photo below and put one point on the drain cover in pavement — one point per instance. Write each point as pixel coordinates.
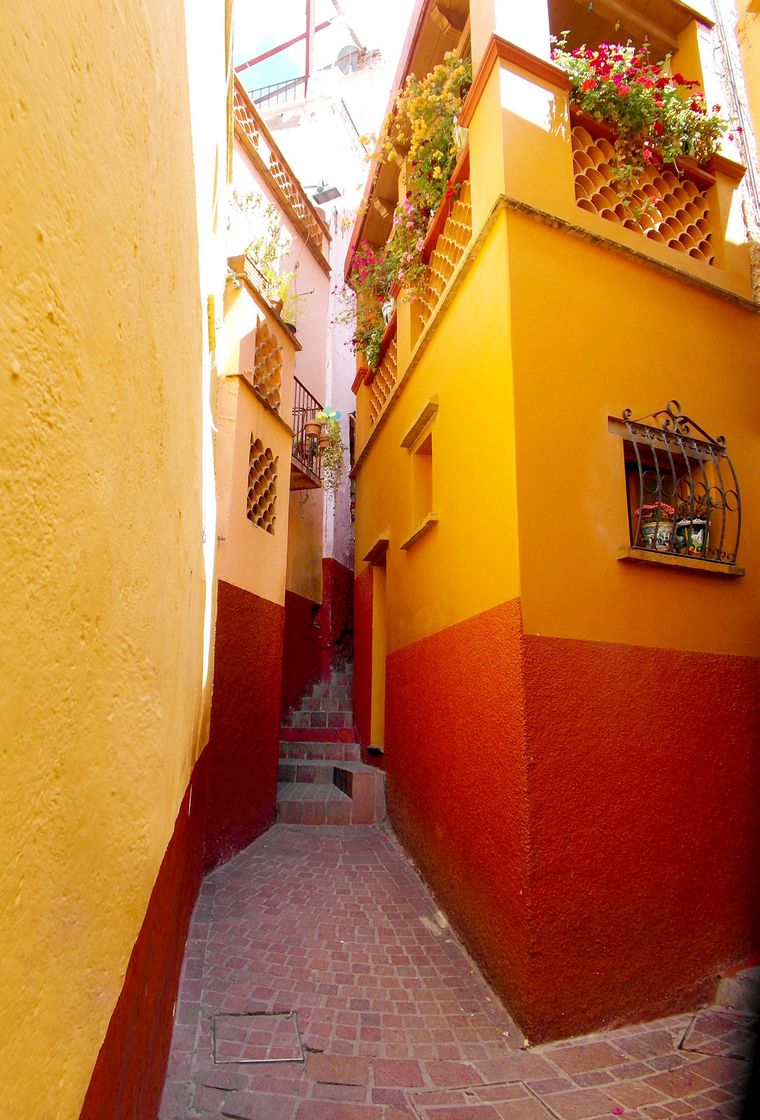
(253, 1038)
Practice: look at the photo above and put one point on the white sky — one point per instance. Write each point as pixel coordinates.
(259, 25)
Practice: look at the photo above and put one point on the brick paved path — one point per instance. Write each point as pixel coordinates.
(395, 1020)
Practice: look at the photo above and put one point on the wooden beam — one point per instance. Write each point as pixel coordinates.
(614, 10)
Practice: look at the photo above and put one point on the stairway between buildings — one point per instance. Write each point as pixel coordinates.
(322, 779)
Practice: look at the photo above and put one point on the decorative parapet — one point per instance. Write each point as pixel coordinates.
(270, 161)
(665, 208)
(449, 248)
(383, 382)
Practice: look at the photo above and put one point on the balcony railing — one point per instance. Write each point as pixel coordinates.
(272, 161)
(279, 93)
(306, 473)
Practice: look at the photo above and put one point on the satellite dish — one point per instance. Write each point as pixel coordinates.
(348, 59)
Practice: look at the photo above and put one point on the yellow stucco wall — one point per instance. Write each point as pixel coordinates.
(593, 334)
(467, 562)
(102, 703)
(550, 331)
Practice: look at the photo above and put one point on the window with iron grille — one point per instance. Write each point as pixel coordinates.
(683, 491)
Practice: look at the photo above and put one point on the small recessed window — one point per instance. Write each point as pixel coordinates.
(682, 489)
(419, 442)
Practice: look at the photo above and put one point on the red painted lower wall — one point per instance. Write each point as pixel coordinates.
(644, 776)
(243, 747)
(337, 613)
(584, 812)
(128, 1078)
(455, 760)
(363, 655)
(302, 665)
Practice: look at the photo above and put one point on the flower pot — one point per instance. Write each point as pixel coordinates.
(691, 537)
(312, 428)
(324, 440)
(657, 535)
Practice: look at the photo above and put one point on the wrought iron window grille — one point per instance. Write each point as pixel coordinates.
(683, 490)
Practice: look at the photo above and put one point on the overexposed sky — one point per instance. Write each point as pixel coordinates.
(379, 24)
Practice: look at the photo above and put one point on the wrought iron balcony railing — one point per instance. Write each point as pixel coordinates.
(306, 473)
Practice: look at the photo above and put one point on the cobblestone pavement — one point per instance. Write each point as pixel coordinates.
(393, 1020)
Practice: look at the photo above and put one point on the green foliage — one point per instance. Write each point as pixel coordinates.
(268, 245)
(658, 117)
(332, 454)
(422, 128)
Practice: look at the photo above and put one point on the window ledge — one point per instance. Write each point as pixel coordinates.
(686, 563)
(427, 523)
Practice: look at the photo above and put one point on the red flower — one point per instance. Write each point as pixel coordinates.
(624, 90)
(588, 83)
(657, 128)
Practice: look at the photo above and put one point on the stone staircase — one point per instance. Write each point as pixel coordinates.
(322, 779)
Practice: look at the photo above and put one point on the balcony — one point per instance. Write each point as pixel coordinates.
(305, 461)
(267, 157)
(448, 239)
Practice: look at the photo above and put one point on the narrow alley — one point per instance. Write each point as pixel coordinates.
(380, 486)
(321, 982)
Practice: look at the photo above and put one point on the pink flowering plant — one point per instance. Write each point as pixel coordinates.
(656, 511)
(658, 117)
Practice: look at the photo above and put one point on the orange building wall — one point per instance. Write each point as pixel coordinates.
(656, 340)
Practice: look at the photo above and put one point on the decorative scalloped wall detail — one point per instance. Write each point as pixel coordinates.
(267, 370)
(382, 383)
(664, 208)
(261, 499)
(449, 250)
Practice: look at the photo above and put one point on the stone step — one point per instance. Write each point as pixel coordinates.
(328, 704)
(317, 734)
(337, 752)
(356, 795)
(315, 770)
(307, 803)
(319, 719)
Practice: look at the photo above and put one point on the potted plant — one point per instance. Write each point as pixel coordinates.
(269, 244)
(330, 448)
(313, 426)
(656, 525)
(657, 117)
(421, 129)
(691, 528)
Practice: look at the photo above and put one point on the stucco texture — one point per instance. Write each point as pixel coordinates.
(101, 649)
(456, 792)
(588, 829)
(243, 745)
(643, 777)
